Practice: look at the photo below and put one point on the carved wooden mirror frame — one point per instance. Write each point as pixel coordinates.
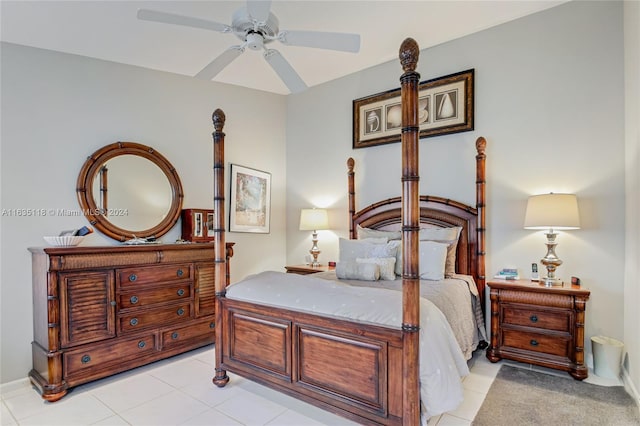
(95, 214)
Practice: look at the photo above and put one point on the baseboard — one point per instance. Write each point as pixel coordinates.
(630, 387)
(13, 386)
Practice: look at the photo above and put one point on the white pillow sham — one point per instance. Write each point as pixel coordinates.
(363, 233)
(350, 250)
(433, 256)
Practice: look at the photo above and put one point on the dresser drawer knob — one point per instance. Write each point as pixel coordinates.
(181, 292)
(180, 312)
(133, 277)
(134, 300)
(534, 342)
(180, 272)
(113, 303)
(133, 321)
(533, 318)
(141, 344)
(212, 325)
(174, 335)
(85, 359)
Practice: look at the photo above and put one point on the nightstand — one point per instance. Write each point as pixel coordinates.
(538, 325)
(308, 269)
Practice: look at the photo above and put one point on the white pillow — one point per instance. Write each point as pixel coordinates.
(448, 236)
(385, 265)
(380, 240)
(375, 233)
(357, 271)
(350, 250)
(433, 257)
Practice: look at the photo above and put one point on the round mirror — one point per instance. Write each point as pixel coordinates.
(129, 190)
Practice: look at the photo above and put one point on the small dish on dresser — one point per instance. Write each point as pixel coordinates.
(64, 240)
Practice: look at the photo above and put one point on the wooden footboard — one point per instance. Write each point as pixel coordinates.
(351, 369)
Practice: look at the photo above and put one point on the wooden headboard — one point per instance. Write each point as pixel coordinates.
(434, 211)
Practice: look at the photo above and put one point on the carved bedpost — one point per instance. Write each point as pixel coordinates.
(220, 255)
(409, 52)
(352, 197)
(481, 144)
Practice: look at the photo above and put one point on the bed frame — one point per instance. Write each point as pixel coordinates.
(365, 372)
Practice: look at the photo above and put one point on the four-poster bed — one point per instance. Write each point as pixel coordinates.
(361, 364)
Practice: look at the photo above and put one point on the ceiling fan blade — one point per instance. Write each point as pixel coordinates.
(286, 72)
(259, 9)
(219, 63)
(172, 18)
(321, 40)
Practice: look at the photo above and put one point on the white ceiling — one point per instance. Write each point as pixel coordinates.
(109, 30)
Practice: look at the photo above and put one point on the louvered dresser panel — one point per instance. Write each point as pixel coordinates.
(99, 311)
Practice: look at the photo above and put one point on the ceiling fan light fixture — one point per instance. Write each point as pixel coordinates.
(255, 41)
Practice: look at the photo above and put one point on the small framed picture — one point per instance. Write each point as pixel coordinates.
(197, 225)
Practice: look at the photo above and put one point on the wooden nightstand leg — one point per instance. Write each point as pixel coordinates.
(492, 352)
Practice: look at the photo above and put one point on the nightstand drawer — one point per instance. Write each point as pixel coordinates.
(517, 315)
(536, 342)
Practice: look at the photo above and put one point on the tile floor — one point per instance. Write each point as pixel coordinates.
(179, 391)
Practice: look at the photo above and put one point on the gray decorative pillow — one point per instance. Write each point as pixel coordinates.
(357, 271)
(385, 264)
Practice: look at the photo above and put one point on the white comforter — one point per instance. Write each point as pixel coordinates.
(442, 363)
(456, 297)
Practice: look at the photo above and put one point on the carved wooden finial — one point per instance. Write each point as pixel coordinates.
(409, 52)
(218, 119)
(481, 144)
(350, 164)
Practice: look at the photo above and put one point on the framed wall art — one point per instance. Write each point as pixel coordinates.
(250, 200)
(446, 106)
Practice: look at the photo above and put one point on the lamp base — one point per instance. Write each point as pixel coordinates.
(551, 282)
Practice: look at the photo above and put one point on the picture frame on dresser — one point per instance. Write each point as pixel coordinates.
(197, 225)
(446, 105)
(250, 200)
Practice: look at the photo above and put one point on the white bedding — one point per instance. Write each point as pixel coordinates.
(457, 298)
(442, 362)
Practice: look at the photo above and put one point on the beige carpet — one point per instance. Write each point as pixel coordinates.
(525, 397)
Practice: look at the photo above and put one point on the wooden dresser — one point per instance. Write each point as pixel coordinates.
(539, 325)
(103, 310)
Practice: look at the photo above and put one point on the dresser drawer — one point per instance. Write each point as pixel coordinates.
(138, 320)
(167, 294)
(518, 315)
(107, 353)
(536, 342)
(154, 274)
(178, 336)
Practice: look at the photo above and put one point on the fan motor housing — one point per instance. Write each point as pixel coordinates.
(245, 27)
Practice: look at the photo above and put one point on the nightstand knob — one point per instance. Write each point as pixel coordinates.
(534, 342)
(533, 318)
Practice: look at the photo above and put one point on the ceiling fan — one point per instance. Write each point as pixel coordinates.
(256, 27)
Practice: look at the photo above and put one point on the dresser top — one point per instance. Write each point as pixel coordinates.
(51, 250)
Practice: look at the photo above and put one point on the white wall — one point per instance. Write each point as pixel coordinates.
(549, 100)
(57, 109)
(632, 157)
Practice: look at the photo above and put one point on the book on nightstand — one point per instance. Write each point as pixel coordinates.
(507, 274)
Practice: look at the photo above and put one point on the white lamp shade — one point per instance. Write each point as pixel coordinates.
(552, 211)
(313, 219)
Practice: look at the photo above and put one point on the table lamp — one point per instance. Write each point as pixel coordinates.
(314, 220)
(552, 212)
